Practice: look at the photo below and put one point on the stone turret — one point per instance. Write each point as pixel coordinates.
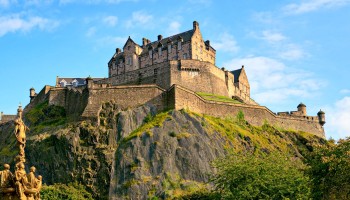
(195, 25)
(302, 109)
(321, 117)
(32, 94)
(89, 82)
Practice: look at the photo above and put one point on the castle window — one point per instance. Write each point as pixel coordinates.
(155, 71)
(179, 45)
(185, 56)
(150, 53)
(128, 47)
(197, 57)
(129, 60)
(160, 51)
(169, 48)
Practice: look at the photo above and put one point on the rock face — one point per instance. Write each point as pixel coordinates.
(138, 154)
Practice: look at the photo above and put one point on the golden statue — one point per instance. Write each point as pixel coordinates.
(20, 185)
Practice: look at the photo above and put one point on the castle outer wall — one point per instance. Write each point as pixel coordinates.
(254, 114)
(86, 103)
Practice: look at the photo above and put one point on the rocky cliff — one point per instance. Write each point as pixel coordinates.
(138, 154)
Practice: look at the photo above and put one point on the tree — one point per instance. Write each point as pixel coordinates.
(246, 176)
(329, 170)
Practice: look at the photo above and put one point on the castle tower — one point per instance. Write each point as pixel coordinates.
(321, 117)
(302, 109)
(32, 94)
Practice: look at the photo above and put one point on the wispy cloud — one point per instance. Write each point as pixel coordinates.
(15, 23)
(337, 118)
(139, 18)
(62, 2)
(345, 91)
(272, 36)
(4, 3)
(291, 52)
(91, 32)
(226, 43)
(110, 20)
(313, 5)
(173, 28)
(271, 81)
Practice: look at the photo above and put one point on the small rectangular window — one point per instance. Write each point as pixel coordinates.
(150, 53)
(169, 48)
(160, 51)
(185, 56)
(179, 45)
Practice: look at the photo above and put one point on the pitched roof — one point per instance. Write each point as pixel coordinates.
(129, 39)
(186, 36)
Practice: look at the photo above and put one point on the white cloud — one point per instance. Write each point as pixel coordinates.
(291, 52)
(110, 20)
(38, 2)
(272, 36)
(345, 91)
(91, 32)
(111, 41)
(338, 119)
(174, 28)
(62, 2)
(226, 43)
(4, 3)
(272, 82)
(139, 18)
(313, 5)
(14, 23)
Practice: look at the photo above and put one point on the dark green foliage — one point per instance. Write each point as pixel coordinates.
(72, 191)
(44, 115)
(329, 169)
(202, 195)
(248, 176)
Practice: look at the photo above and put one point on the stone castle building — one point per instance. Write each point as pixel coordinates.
(170, 73)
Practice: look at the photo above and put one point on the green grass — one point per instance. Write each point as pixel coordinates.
(219, 98)
(156, 121)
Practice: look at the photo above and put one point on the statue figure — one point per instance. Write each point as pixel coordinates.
(20, 181)
(6, 183)
(31, 177)
(20, 133)
(38, 185)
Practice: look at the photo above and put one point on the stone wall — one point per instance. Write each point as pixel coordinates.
(40, 98)
(255, 115)
(6, 118)
(125, 97)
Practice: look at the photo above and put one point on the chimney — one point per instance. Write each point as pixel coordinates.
(118, 51)
(160, 37)
(195, 25)
(145, 41)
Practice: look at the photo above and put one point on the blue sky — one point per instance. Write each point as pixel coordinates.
(293, 51)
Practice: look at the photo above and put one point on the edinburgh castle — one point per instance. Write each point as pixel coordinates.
(176, 72)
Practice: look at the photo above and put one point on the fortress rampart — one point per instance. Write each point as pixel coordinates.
(86, 103)
(254, 114)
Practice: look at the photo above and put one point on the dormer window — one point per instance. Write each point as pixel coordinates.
(63, 83)
(75, 83)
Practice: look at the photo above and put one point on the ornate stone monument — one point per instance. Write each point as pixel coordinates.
(20, 185)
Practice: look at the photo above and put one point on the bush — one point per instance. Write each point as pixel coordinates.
(72, 191)
(245, 176)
